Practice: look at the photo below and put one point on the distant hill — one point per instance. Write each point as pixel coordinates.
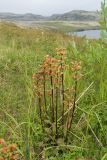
(75, 15)
(20, 17)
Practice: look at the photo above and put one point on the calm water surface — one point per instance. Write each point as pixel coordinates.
(87, 33)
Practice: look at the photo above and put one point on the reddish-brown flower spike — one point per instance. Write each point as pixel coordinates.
(49, 93)
(1, 158)
(39, 94)
(61, 51)
(4, 150)
(14, 157)
(13, 147)
(48, 59)
(2, 142)
(34, 76)
(76, 76)
(53, 60)
(76, 66)
(45, 65)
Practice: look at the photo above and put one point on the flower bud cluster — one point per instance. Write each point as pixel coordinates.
(76, 67)
(8, 151)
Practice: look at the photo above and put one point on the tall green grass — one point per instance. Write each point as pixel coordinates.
(21, 52)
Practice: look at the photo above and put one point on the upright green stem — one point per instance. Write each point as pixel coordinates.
(40, 111)
(44, 84)
(52, 99)
(56, 112)
(67, 123)
(74, 103)
(62, 99)
(62, 93)
(52, 93)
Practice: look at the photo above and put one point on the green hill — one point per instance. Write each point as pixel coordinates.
(76, 15)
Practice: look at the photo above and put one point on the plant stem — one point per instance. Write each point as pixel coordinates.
(52, 99)
(62, 93)
(40, 111)
(56, 112)
(45, 103)
(74, 103)
(67, 124)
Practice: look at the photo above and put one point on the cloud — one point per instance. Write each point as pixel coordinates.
(47, 7)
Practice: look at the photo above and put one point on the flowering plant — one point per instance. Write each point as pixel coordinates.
(8, 151)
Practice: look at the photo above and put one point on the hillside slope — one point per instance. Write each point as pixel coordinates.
(75, 15)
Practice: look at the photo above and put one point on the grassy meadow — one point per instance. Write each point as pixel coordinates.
(62, 26)
(22, 52)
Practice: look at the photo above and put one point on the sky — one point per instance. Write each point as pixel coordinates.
(48, 7)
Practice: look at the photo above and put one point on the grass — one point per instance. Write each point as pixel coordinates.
(63, 26)
(22, 51)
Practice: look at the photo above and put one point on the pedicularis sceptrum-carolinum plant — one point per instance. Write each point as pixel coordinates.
(53, 98)
(8, 151)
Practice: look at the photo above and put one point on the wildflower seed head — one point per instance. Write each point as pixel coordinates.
(2, 142)
(14, 157)
(13, 147)
(61, 52)
(4, 150)
(76, 66)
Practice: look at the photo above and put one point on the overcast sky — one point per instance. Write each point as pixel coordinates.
(47, 7)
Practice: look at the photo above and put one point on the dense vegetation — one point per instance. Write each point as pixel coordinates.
(22, 52)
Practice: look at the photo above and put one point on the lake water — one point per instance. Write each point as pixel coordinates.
(88, 33)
